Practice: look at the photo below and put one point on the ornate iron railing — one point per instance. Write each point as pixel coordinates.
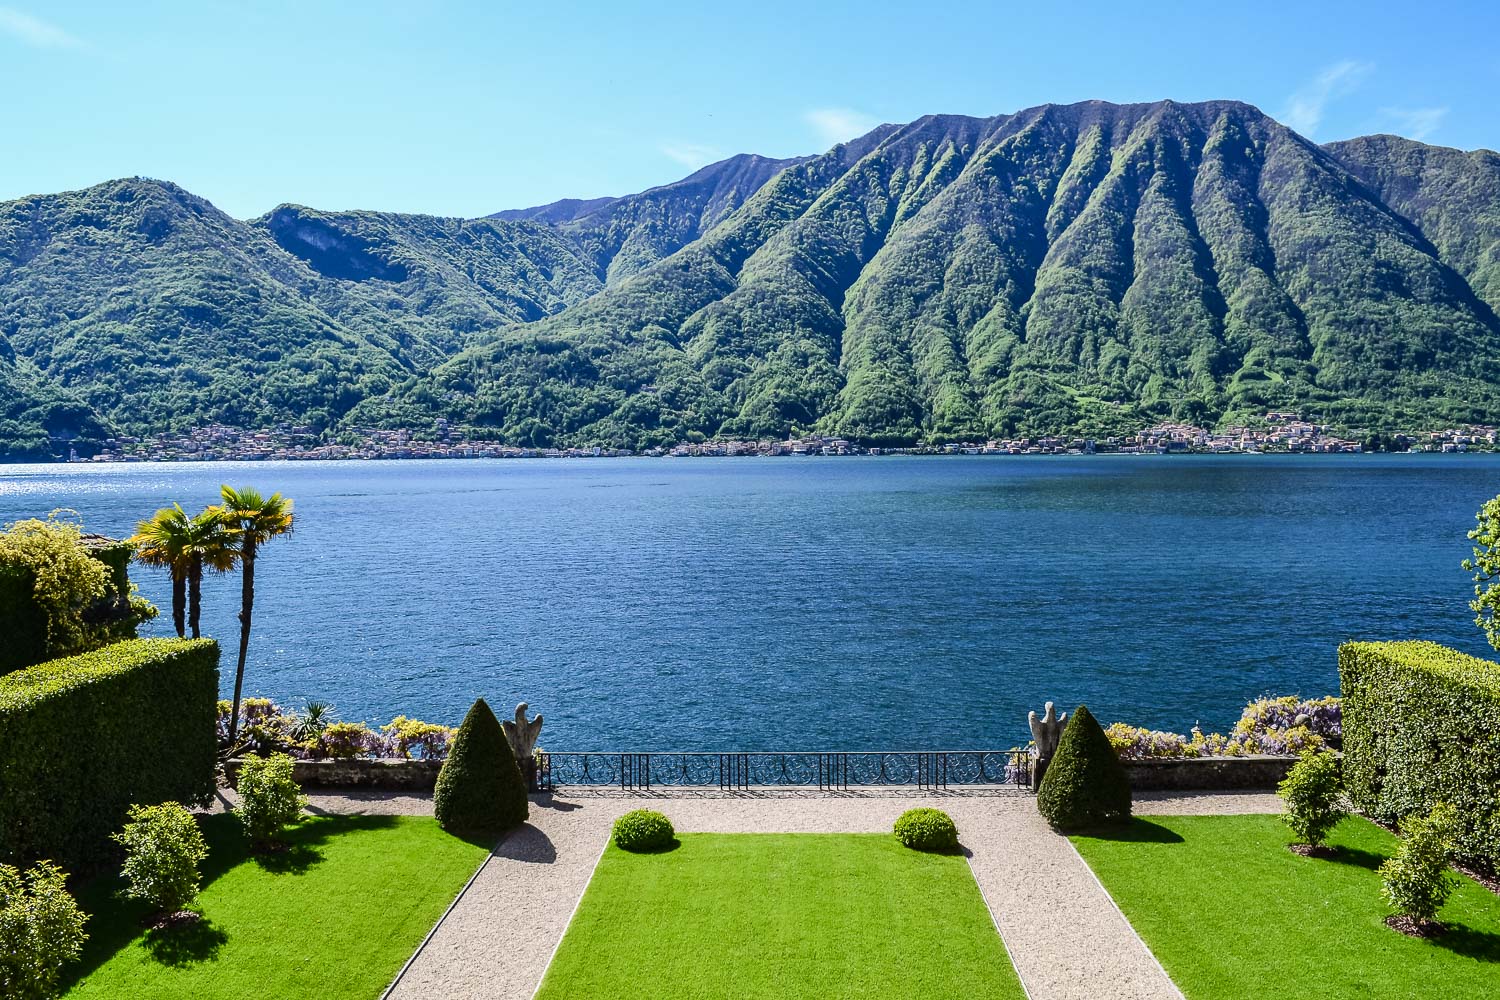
(933, 769)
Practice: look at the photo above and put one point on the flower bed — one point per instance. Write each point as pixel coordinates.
(1275, 727)
(316, 735)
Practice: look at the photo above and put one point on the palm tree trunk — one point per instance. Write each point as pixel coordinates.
(195, 591)
(247, 602)
(179, 600)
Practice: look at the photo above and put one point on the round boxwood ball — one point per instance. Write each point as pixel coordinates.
(643, 830)
(927, 830)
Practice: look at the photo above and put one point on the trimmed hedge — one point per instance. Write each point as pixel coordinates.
(84, 737)
(1422, 726)
(480, 788)
(1085, 785)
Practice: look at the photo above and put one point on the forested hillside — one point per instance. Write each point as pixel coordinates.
(1086, 268)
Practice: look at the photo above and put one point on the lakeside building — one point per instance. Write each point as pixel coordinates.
(1282, 433)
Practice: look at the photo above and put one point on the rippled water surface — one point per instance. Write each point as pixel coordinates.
(860, 603)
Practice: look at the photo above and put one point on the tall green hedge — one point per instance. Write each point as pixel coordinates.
(81, 738)
(1421, 726)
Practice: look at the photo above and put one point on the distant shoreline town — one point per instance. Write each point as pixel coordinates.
(1283, 433)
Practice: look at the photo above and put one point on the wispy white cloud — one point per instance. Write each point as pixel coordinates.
(1416, 123)
(1304, 110)
(691, 154)
(836, 125)
(35, 32)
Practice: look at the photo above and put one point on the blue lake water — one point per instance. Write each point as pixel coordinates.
(856, 603)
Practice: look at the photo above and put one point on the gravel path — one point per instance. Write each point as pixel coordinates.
(1065, 935)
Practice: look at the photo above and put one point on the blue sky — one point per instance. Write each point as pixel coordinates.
(460, 108)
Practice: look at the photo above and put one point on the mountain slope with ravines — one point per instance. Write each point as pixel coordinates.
(1086, 269)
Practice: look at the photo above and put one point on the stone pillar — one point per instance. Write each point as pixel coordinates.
(522, 736)
(1045, 732)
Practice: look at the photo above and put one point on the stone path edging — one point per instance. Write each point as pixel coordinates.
(456, 900)
(1176, 990)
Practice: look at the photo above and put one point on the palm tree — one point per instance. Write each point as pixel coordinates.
(210, 545)
(164, 540)
(252, 520)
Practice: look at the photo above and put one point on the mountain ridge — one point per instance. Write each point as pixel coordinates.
(1066, 268)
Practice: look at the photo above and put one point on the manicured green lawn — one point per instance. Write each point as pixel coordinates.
(783, 916)
(1231, 913)
(334, 917)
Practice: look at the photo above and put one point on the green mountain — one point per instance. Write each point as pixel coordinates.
(1450, 196)
(624, 236)
(1084, 268)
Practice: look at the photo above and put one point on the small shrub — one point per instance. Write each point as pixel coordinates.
(1416, 881)
(480, 788)
(643, 830)
(163, 849)
(1085, 785)
(41, 930)
(1313, 792)
(315, 719)
(269, 797)
(927, 830)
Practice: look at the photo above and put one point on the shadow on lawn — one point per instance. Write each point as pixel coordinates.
(1342, 854)
(1137, 831)
(199, 941)
(1482, 946)
(302, 844)
(115, 923)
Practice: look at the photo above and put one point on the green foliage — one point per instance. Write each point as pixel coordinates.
(1416, 881)
(47, 582)
(83, 738)
(480, 788)
(62, 592)
(643, 830)
(927, 830)
(312, 723)
(1422, 726)
(270, 799)
(1313, 794)
(1085, 785)
(41, 930)
(163, 849)
(1486, 569)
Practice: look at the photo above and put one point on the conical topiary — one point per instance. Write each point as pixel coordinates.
(480, 789)
(1085, 785)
